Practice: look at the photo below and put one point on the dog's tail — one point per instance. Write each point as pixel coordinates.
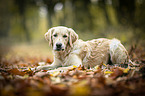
(118, 53)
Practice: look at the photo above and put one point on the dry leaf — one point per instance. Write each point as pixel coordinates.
(15, 71)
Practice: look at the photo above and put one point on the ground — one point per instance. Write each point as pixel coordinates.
(17, 78)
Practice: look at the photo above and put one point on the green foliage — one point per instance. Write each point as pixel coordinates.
(31, 19)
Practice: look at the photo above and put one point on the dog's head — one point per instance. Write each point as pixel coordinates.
(61, 37)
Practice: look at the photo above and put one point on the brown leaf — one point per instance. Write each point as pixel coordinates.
(59, 89)
(116, 73)
(41, 74)
(48, 60)
(15, 71)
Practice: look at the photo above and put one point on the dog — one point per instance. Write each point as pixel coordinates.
(70, 51)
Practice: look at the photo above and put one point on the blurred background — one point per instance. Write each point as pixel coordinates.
(24, 22)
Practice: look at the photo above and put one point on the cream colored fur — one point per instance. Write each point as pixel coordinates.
(77, 52)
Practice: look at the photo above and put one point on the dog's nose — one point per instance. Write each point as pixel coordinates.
(58, 45)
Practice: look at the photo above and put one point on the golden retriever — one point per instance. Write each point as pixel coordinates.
(69, 50)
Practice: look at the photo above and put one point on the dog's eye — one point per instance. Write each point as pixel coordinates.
(64, 36)
(55, 35)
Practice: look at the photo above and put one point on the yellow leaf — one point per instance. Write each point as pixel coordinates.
(29, 69)
(108, 72)
(80, 89)
(126, 70)
(105, 65)
(97, 67)
(74, 66)
(55, 73)
(51, 74)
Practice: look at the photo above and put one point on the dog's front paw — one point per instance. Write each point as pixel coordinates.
(44, 68)
(39, 67)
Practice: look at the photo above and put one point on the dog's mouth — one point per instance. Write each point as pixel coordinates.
(59, 49)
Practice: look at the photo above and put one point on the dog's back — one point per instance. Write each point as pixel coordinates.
(119, 54)
(101, 50)
(98, 52)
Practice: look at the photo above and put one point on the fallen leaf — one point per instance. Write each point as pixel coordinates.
(116, 73)
(15, 71)
(55, 73)
(74, 66)
(80, 89)
(108, 72)
(41, 74)
(126, 70)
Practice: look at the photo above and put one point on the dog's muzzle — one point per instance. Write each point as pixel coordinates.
(59, 47)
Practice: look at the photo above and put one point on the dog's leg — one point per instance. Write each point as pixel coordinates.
(118, 53)
(57, 63)
(73, 59)
(70, 62)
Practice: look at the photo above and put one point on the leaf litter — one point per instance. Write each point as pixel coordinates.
(17, 78)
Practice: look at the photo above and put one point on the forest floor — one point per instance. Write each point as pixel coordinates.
(17, 78)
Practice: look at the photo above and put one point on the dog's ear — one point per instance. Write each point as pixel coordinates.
(72, 36)
(48, 36)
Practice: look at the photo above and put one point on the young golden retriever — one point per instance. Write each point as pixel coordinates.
(69, 50)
